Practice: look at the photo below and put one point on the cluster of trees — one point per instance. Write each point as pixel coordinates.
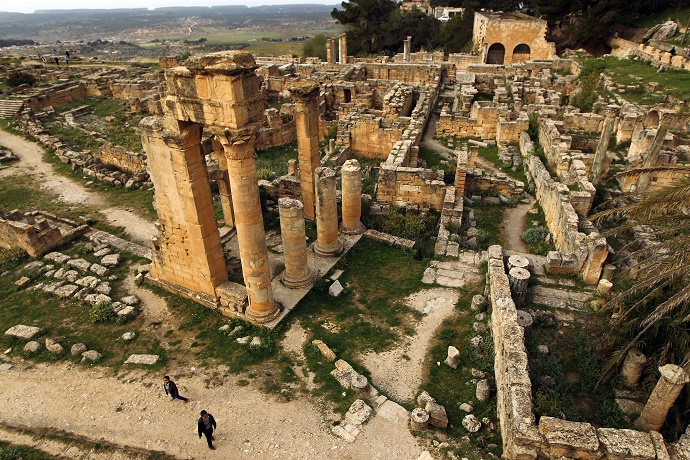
(6, 43)
(380, 26)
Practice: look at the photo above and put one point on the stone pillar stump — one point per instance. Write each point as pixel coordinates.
(297, 273)
(328, 243)
(351, 174)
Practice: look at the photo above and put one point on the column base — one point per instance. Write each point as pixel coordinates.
(298, 283)
(359, 229)
(262, 317)
(329, 250)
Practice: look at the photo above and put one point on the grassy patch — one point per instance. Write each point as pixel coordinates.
(21, 452)
(273, 161)
(489, 218)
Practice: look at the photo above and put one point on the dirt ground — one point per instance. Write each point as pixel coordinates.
(513, 226)
(69, 191)
(399, 372)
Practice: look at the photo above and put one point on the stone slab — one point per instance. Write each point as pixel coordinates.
(393, 412)
(23, 332)
(142, 359)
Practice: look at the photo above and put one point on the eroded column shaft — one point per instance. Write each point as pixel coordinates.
(328, 243)
(307, 125)
(297, 273)
(671, 382)
(351, 174)
(250, 230)
(343, 48)
(224, 191)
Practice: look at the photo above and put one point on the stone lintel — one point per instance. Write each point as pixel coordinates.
(221, 62)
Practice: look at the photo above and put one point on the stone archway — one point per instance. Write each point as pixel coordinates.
(496, 54)
(521, 53)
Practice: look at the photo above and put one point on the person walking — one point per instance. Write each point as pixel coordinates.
(171, 389)
(206, 425)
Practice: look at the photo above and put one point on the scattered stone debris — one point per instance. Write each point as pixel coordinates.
(22, 332)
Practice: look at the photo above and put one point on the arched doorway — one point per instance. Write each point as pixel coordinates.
(496, 54)
(651, 120)
(521, 53)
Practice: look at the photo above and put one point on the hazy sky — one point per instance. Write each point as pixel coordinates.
(32, 5)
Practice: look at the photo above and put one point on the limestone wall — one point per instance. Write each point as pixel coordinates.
(481, 182)
(33, 233)
(624, 48)
(403, 186)
(278, 128)
(482, 121)
(124, 160)
(57, 95)
(550, 438)
(578, 252)
(370, 136)
(587, 122)
(416, 74)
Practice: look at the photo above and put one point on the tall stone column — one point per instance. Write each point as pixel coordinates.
(297, 273)
(653, 156)
(187, 251)
(602, 147)
(343, 48)
(327, 242)
(239, 152)
(307, 124)
(329, 51)
(673, 379)
(351, 174)
(406, 49)
(224, 186)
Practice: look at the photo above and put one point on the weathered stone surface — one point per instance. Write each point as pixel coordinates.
(5, 366)
(453, 358)
(128, 336)
(23, 282)
(91, 355)
(483, 391)
(147, 360)
(358, 413)
(626, 444)
(471, 423)
(103, 288)
(466, 407)
(88, 281)
(54, 347)
(100, 270)
(424, 398)
(57, 257)
(569, 439)
(77, 349)
(437, 415)
(66, 290)
(393, 412)
(336, 289)
(111, 260)
(629, 407)
(23, 332)
(80, 264)
(130, 300)
(102, 252)
(326, 352)
(32, 347)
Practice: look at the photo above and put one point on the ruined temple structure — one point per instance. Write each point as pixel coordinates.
(510, 38)
(219, 92)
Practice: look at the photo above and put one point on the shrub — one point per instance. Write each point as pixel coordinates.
(17, 78)
(11, 258)
(102, 312)
(535, 237)
(265, 174)
(11, 453)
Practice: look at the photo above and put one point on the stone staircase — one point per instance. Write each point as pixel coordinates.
(9, 108)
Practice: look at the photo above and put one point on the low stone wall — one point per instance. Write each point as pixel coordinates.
(482, 121)
(124, 160)
(481, 182)
(625, 48)
(578, 252)
(390, 239)
(278, 129)
(57, 95)
(416, 74)
(550, 438)
(403, 186)
(33, 232)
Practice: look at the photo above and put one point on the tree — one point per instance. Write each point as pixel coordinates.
(16, 78)
(457, 32)
(315, 46)
(367, 23)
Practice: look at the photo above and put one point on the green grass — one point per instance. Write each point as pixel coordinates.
(67, 320)
(489, 218)
(275, 159)
(674, 82)
(450, 387)
(21, 452)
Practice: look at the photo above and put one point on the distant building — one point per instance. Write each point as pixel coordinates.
(508, 38)
(410, 5)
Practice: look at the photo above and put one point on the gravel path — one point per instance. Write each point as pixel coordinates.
(31, 163)
(514, 225)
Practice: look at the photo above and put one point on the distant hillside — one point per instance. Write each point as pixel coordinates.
(47, 26)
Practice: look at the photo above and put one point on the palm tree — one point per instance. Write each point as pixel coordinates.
(651, 303)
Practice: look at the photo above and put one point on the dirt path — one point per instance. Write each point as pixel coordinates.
(429, 142)
(31, 163)
(514, 225)
(132, 409)
(399, 371)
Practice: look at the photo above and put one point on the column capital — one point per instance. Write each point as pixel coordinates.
(238, 144)
(305, 92)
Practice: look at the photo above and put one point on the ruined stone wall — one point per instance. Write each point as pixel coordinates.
(56, 95)
(555, 145)
(414, 74)
(551, 438)
(122, 159)
(33, 233)
(482, 121)
(624, 48)
(480, 182)
(369, 136)
(278, 128)
(587, 122)
(403, 186)
(509, 129)
(463, 61)
(511, 30)
(132, 89)
(577, 251)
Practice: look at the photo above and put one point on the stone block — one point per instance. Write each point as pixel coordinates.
(80, 264)
(326, 352)
(147, 360)
(626, 444)
(22, 332)
(569, 439)
(393, 412)
(437, 415)
(32, 347)
(335, 289)
(90, 355)
(78, 349)
(66, 290)
(111, 260)
(54, 347)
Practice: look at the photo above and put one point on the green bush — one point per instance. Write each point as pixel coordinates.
(102, 312)
(265, 174)
(10, 453)
(17, 78)
(535, 237)
(11, 258)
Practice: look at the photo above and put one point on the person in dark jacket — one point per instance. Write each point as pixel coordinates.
(206, 425)
(171, 389)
